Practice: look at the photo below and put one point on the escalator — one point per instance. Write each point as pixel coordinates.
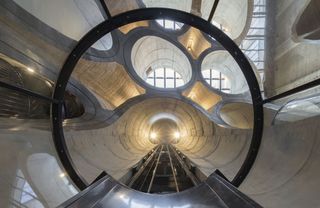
(162, 181)
(163, 174)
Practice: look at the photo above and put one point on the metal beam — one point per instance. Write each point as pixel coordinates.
(145, 164)
(293, 91)
(213, 10)
(27, 92)
(155, 170)
(105, 9)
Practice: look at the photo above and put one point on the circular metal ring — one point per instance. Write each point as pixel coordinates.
(151, 14)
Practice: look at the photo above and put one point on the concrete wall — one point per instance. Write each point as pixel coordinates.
(117, 148)
(286, 172)
(29, 156)
(290, 61)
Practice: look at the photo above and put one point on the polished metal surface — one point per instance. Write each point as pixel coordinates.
(173, 170)
(155, 170)
(192, 177)
(142, 167)
(215, 192)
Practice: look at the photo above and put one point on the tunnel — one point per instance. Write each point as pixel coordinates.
(148, 104)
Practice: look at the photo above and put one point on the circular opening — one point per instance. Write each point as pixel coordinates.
(221, 71)
(160, 63)
(154, 52)
(164, 131)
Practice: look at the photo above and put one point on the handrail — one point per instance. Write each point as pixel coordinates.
(194, 179)
(137, 175)
(173, 173)
(293, 91)
(155, 170)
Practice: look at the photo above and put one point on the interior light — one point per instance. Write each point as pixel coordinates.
(189, 45)
(153, 135)
(30, 70)
(192, 95)
(176, 135)
(62, 175)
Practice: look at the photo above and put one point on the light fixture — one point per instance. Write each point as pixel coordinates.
(153, 135)
(189, 45)
(176, 135)
(62, 175)
(30, 70)
(192, 95)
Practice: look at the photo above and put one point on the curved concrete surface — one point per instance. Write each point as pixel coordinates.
(70, 13)
(285, 174)
(194, 42)
(109, 81)
(237, 115)
(286, 51)
(223, 62)
(126, 141)
(31, 161)
(151, 52)
(231, 15)
(308, 24)
(184, 5)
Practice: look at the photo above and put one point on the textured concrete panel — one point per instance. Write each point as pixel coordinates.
(194, 42)
(201, 95)
(108, 80)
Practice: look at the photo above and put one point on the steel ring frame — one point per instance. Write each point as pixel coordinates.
(151, 14)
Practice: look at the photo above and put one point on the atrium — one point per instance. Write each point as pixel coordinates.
(159, 103)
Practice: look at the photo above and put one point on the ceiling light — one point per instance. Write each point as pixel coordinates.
(176, 135)
(153, 135)
(189, 45)
(62, 175)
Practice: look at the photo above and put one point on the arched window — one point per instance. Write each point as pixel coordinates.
(170, 24)
(216, 80)
(164, 78)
